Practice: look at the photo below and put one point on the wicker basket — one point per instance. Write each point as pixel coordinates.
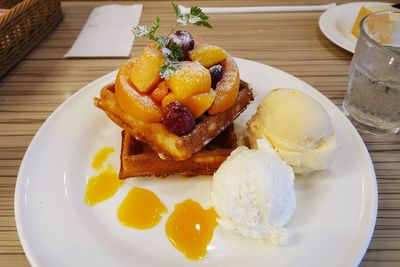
(23, 27)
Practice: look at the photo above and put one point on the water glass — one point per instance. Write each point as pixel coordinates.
(372, 101)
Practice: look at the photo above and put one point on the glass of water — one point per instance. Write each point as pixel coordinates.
(372, 101)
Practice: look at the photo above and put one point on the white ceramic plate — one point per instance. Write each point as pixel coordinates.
(332, 225)
(336, 23)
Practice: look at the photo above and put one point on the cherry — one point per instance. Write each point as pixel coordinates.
(216, 73)
(177, 118)
(184, 40)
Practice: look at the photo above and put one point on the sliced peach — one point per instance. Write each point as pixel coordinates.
(190, 79)
(170, 97)
(227, 88)
(145, 73)
(207, 55)
(131, 101)
(198, 104)
(160, 92)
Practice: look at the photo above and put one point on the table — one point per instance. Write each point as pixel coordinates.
(289, 41)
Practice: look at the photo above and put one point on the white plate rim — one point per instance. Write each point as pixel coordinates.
(19, 183)
(109, 77)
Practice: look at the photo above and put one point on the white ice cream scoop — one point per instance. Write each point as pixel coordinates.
(298, 127)
(253, 193)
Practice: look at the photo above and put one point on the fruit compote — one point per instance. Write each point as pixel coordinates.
(177, 80)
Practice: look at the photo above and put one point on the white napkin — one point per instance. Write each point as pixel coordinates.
(107, 32)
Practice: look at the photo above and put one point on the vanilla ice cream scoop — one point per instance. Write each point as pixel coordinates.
(253, 193)
(298, 127)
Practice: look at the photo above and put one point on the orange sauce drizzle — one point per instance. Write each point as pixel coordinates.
(141, 209)
(106, 183)
(190, 228)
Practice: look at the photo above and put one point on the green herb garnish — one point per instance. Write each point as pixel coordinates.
(171, 51)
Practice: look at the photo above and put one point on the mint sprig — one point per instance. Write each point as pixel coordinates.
(176, 51)
(172, 52)
(141, 31)
(154, 27)
(195, 16)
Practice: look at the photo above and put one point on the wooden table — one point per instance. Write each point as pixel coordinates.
(289, 41)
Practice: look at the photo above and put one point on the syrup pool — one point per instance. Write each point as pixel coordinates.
(190, 228)
(106, 183)
(141, 209)
(101, 157)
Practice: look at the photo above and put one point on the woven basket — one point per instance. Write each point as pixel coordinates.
(23, 27)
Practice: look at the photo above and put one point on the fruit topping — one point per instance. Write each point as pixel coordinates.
(178, 119)
(176, 45)
(160, 92)
(145, 73)
(184, 40)
(208, 55)
(160, 86)
(198, 104)
(190, 79)
(132, 102)
(170, 97)
(227, 89)
(216, 73)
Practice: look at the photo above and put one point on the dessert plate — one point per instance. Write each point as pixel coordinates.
(332, 225)
(336, 23)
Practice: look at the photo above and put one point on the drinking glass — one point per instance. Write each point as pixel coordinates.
(372, 101)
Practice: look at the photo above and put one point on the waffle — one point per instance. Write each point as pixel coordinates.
(165, 143)
(138, 159)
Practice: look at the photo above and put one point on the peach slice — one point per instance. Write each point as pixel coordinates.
(145, 73)
(170, 97)
(190, 79)
(198, 104)
(132, 102)
(227, 88)
(160, 92)
(208, 55)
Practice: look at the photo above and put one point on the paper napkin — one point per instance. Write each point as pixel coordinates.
(107, 32)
